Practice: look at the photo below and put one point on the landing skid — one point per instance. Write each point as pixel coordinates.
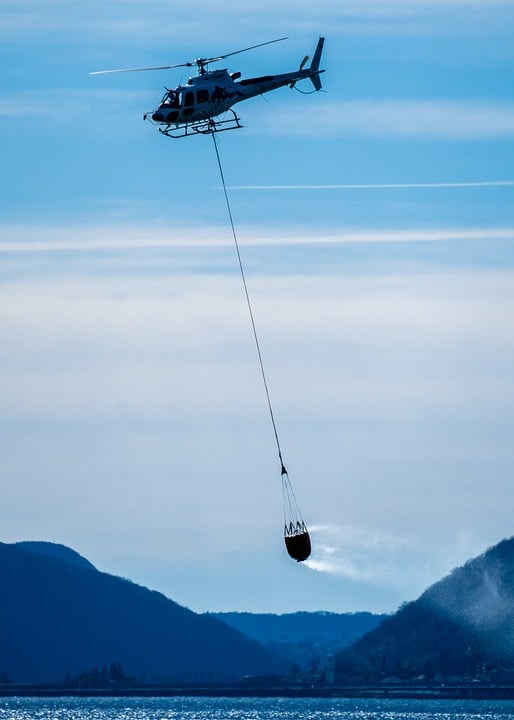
(202, 127)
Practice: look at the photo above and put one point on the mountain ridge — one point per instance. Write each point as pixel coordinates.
(60, 618)
(55, 550)
(305, 639)
(63, 618)
(462, 626)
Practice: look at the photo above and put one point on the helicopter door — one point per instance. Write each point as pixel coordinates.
(189, 101)
(170, 106)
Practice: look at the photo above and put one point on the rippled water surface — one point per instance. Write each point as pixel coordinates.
(251, 709)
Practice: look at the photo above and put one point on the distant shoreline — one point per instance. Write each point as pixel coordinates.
(442, 692)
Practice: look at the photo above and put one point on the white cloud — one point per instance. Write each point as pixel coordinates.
(40, 239)
(440, 119)
(125, 19)
(138, 398)
(96, 106)
(78, 347)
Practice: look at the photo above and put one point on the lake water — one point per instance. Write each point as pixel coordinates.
(185, 708)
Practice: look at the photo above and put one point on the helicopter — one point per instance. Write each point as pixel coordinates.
(195, 108)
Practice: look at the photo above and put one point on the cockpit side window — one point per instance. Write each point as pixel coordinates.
(189, 99)
(202, 96)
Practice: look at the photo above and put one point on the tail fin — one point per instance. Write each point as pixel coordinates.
(314, 68)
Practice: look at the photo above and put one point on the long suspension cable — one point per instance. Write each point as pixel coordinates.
(256, 338)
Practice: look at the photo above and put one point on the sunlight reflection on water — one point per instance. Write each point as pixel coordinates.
(183, 708)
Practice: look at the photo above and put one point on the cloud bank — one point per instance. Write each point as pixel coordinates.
(464, 120)
(48, 238)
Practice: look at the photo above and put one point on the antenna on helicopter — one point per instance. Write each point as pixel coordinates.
(200, 63)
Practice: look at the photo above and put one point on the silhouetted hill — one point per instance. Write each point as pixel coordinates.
(462, 626)
(60, 616)
(304, 638)
(298, 627)
(60, 552)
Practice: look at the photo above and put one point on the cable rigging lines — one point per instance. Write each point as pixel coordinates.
(296, 535)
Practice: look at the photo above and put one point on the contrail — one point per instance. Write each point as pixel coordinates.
(379, 186)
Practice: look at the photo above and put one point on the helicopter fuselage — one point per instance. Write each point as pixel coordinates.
(213, 93)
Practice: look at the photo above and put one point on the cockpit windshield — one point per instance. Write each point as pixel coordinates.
(171, 99)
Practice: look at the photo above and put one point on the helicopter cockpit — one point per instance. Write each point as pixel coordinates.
(181, 104)
(174, 99)
(171, 99)
(169, 107)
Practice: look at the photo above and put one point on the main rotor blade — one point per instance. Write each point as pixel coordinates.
(200, 62)
(163, 67)
(252, 47)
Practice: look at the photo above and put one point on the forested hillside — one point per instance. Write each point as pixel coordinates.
(462, 626)
(62, 618)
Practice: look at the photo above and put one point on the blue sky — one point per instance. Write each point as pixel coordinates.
(376, 223)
